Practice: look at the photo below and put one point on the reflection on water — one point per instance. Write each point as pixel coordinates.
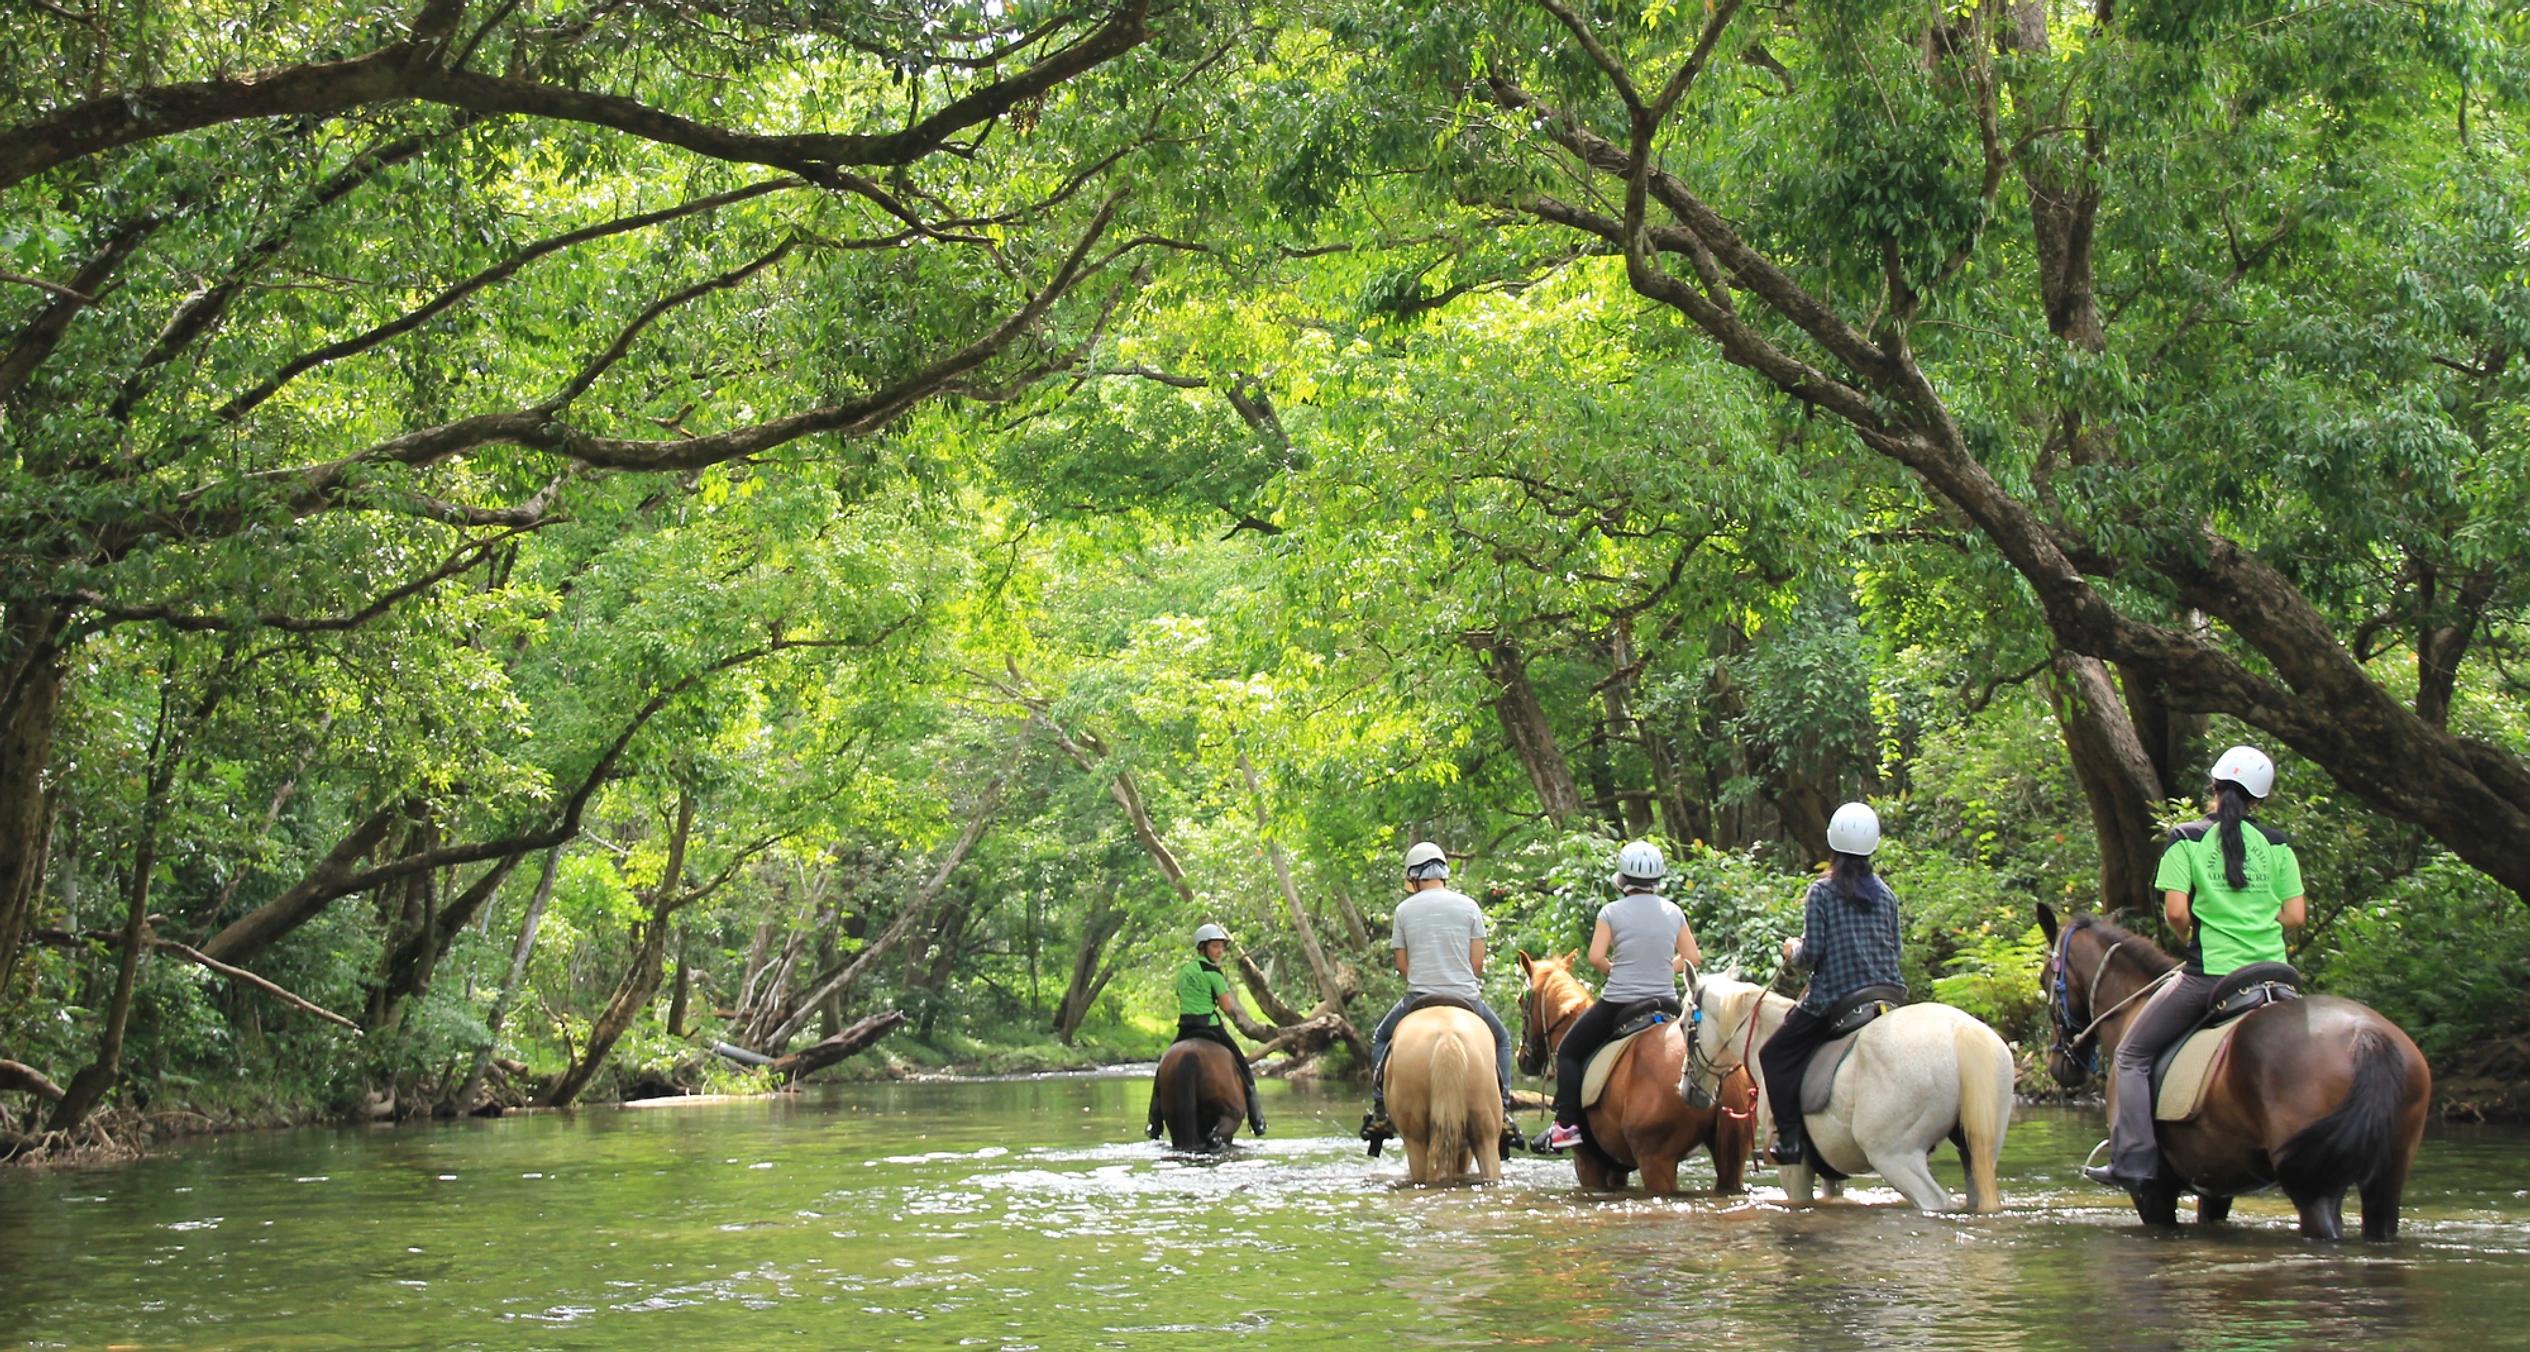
(1031, 1215)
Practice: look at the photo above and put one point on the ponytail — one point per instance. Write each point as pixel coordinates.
(2231, 807)
(1850, 875)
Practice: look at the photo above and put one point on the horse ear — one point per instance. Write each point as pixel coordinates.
(1572, 959)
(2047, 921)
(1528, 965)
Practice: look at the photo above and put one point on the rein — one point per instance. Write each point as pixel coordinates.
(2070, 1044)
(1705, 1065)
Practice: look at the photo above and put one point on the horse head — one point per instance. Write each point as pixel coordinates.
(1721, 1038)
(2093, 971)
(1550, 1000)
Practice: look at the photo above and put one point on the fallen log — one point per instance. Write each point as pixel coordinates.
(241, 974)
(807, 1061)
(15, 1075)
(1306, 1038)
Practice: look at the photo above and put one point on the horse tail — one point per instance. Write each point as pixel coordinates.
(1186, 1125)
(2349, 1146)
(1985, 1108)
(1449, 1135)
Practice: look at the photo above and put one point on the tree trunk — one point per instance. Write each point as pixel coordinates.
(89, 1086)
(29, 706)
(1089, 977)
(254, 933)
(516, 977)
(417, 956)
(641, 980)
(808, 1060)
(1329, 989)
(1526, 727)
(683, 991)
(2117, 779)
(916, 907)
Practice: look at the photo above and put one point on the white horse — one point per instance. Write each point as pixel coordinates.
(1918, 1075)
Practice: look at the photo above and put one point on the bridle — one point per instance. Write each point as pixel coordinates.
(1700, 1065)
(2081, 1050)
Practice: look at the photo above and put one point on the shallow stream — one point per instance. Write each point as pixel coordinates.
(1031, 1215)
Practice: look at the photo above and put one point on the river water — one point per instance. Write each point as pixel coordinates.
(1019, 1215)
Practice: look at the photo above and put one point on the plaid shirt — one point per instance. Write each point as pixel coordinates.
(1850, 944)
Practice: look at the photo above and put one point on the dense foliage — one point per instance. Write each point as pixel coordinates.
(568, 536)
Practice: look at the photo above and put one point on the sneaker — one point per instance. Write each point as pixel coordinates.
(1555, 1138)
(1376, 1126)
(1512, 1140)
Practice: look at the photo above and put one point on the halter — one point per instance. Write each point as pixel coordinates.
(2068, 1043)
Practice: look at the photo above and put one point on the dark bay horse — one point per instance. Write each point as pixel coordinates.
(2318, 1094)
(1640, 1121)
(1199, 1095)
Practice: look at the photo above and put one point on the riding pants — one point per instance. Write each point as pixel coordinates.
(1590, 1032)
(1783, 1062)
(1210, 1030)
(1387, 1029)
(2134, 1152)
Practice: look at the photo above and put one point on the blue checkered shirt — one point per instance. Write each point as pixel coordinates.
(1849, 944)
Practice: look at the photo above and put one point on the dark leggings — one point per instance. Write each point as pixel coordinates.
(1210, 1030)
(1582, 1041)
(1784, 1061)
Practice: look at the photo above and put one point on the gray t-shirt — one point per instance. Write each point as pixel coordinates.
(1642, 938)
(1435, 928)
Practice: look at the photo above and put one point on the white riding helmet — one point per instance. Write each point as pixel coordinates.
(1855, 829)
(1426, 860)
(1207, 932)
(2247, 767)
(1640, 862)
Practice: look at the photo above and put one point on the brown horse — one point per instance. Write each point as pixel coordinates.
(1640, 1121)
(1199, 1095)
(1442, 1095)
(2319, 1094)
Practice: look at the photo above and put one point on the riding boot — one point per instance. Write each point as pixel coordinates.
(1255, 1112)
(1788, 1143)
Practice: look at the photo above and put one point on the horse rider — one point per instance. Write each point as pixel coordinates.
(1641, 944)
(1438, 936)
(1203, 996)
(1849, 942)
(2232, 887)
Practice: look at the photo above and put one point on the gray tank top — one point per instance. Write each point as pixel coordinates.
(1643, 936)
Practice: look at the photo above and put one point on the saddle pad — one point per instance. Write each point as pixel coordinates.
(1818, 1084)
(2192, 1067)
(1594, 1077)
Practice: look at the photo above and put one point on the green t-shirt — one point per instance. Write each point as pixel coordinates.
(1200, 987)
(2233, 928)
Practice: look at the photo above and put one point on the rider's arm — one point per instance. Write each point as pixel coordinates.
(1600, 938)
(1401, 962)
(1476, 954)
(2182, 917)
(1688, 954)
(2294, 911)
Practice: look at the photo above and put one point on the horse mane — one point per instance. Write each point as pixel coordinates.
(2147, 954)
(1552, 969)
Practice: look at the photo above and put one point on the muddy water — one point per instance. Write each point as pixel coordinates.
(1030, 1215)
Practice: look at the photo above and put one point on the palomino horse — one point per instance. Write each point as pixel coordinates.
(1917, 1075)
(1199, 1094)
(2319, 1094)
(1640, 1121)
(1442, 1095)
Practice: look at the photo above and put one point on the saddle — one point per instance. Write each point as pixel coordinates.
(2186, 1068)
(1845, 1021)
(1634, 1020)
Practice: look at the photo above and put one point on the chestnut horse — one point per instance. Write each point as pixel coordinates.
(1640, 1121)
(1442, 1095)
(1199, 1094)
(2319, 1094)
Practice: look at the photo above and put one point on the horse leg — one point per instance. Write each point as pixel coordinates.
(1905, 1170)
(1799, 1184)
(1730, 1160)
(1833, 1189)
(2380, 1203)
(2323, 1215)
(2212, 1210)
(1418, 1159)
(1660, 1175)
(2157, 1202)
